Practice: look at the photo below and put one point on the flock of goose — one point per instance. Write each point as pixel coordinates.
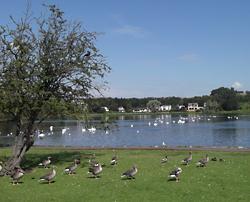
(96, 168)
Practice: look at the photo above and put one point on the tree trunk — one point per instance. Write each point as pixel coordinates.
(22, 144)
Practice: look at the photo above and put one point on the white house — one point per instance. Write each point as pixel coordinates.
(165, 108)
(192, 107)
(121, 109)
(106, 109)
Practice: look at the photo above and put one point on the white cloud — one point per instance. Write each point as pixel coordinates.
(131, 31)
(237, 85)
(189, 57)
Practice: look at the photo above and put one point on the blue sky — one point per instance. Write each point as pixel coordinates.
(163, 48)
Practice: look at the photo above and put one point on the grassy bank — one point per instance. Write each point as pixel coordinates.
(219, 181)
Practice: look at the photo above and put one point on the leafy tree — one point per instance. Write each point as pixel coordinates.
(226, 98)
(47, 65)
(212, 106)
(153, 105)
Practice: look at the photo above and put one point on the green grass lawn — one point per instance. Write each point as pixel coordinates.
(219, 181)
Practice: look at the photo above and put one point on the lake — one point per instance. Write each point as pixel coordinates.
(143, 131)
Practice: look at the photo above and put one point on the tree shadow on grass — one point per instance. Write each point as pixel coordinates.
(32, 160)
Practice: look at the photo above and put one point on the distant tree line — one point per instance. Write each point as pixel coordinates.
(220, 99)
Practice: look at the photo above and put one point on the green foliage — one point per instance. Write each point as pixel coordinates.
(153, 105)
(226, 98)
(212, 106)
(47, 66)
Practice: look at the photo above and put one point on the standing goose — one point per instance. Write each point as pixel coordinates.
(174, 175)
(165, 159)
(95, 170)
(114, 160)
(130, 173)
(203, 162)
(1, 167)
(49, 176)
(187, 160)
(17, 175)
(71, 169)
(45, 162)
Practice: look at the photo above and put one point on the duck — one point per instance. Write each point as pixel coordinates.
(95, 170)
(45, 162)
(17, 175)
(203, 162)
(71, 169)
(49, 176)
(175, 174)
(114, 160)
(187, 160)
(165, 159)
(130, 174)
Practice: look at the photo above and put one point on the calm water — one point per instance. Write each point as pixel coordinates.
(147, 130)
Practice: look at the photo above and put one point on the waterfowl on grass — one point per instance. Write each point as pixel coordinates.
(1, 167)
(45, 162)
(95, 170)
(17, 175)
(214, 159)
(49, 176)
(187, 160)
(130, 174)
(71, 169)
(114, 160)
(203, 162)
(165, 159)
(175, 174)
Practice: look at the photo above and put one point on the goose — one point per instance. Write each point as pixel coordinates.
(71, 169)
(174, 175)
(165, 159)
(130, 174)
(45, 162)
(114, 160)
(187, 160)
(1, 167)
(92, 129)
(49, 176)
(92, 160)
(203, 162)
(17, 175)
(214, 159)
(95, 170)
(78, 161)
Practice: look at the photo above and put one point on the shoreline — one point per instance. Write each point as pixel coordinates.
(170, 148)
